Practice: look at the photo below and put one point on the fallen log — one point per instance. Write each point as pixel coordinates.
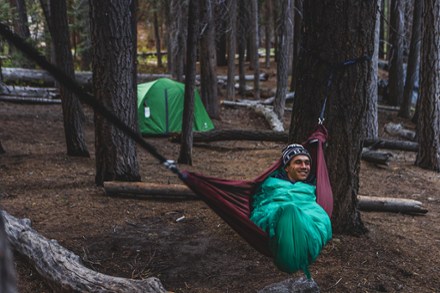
(29, 100)
(397, 129)
(267, 112)
(248, 77)
(236, 134)
(376, 157)
(152, 190)
(386, 204)
(44, 79)
(62, 268)
(250, 103)
(402, 145)
(27, 91)
(142, 190)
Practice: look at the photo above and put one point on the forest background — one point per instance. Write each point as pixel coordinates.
(355, 55)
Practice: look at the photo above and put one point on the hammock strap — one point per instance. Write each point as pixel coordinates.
(88, 99)
(333, 69)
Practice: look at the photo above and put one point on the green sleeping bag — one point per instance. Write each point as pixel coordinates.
(297, 226)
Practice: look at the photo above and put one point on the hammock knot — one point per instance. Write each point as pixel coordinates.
(170, 164)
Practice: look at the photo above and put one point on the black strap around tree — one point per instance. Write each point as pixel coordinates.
(333, 69)
(88, 99)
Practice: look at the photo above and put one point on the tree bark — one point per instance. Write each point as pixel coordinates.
(185, 155)
(114, 85)
(284, 48)
(73, 115)
(208, 60)
(413, 61)
(428, 126)
(327, 31)
(64, 269)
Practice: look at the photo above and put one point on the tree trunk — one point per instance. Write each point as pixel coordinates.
(73, 115)
(114, 85)
(84, 42)
(268, 30)
(428, 126)
(384, 29)
(371, 121)
(232, 37)
(255, 44)
(327, 31)
(208, 62)
(284, 49)
(221, 32)
(297, 36)
(185, 155)
(157, 38)
(413, 61)
(396, 79)
(21, 28)
(177, 38)
(242, 47)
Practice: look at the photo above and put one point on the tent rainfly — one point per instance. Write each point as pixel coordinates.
(160, 108)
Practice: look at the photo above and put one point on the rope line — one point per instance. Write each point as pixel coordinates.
(88, 99)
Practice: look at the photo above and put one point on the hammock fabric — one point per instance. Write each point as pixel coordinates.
(231, 199)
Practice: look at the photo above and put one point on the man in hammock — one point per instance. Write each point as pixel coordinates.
(285, 207)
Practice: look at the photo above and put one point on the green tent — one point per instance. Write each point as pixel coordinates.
(160, 108)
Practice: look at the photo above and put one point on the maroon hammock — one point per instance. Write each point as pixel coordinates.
(231, 199)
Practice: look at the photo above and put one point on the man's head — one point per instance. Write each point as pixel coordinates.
(297, 161)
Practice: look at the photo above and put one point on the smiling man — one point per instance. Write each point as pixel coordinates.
(285, 207)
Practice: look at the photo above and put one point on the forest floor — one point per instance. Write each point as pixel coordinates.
(134, 238)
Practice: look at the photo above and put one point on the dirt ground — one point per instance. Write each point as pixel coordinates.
(134, 238)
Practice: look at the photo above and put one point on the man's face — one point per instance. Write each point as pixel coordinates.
(298, 168)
